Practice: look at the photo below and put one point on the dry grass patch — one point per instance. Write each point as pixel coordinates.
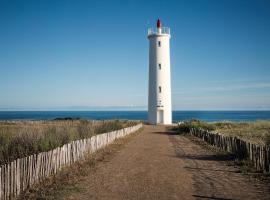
(256, 132)
(22, 138)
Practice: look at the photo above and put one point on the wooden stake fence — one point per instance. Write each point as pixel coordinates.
(257, 154)
(22, 173)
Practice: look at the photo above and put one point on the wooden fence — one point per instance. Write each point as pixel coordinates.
(22, 173)
(257, 154)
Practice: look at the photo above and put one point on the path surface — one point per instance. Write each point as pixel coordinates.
(156, 164)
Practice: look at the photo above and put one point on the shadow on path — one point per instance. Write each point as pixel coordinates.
(166, 133)
(207, 157)
(214, 170)
(207, 197)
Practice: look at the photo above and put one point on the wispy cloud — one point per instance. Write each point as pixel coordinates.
(222, 88)
(244, 94)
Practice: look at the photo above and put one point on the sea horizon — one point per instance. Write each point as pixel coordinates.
(177, 115)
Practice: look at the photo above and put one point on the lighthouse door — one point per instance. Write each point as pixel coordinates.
(160, 116)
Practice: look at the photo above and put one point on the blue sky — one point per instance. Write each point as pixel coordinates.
(87, 55)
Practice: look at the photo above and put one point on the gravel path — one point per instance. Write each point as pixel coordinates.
(156, 164)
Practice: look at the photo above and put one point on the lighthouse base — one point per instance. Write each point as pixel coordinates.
(159, 117)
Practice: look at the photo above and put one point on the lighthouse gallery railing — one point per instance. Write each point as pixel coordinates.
(162, 30)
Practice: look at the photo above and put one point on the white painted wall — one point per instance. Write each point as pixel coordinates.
(159, 78)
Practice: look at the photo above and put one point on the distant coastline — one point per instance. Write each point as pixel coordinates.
(136, 115)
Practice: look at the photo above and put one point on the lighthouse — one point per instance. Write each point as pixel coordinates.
(159, 85)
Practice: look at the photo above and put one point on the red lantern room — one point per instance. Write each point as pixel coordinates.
(158, 23)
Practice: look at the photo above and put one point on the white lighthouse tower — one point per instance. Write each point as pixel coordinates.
(159, 88)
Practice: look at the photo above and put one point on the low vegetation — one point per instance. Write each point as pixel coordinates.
(22, 138)
(256, 132)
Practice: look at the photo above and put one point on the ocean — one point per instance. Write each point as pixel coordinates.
(136, 115)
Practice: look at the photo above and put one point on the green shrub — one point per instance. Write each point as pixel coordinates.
(183, 128)
(201, 124)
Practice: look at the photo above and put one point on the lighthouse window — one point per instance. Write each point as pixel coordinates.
(159, 44)
(159, 65)
(159, 89)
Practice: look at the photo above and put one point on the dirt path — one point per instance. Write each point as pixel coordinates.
(158, 165)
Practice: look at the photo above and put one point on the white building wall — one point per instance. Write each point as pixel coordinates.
(159, 101)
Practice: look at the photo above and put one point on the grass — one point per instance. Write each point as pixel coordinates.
(22, 138)
(257, 132)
